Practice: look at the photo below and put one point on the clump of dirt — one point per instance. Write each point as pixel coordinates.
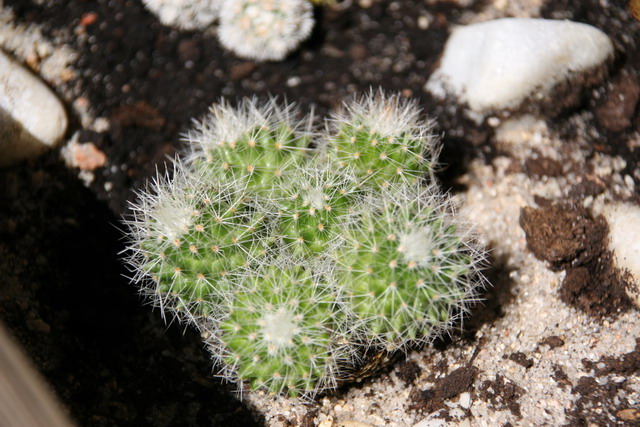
(502, 394)
(520, 358)
(561, 377)
(627, 365)
(601, 401)
(408, 371)
(565, 236)
(542, 166)
(553, 341)
(308, 419)
(432, 399)
(569, 238)
(618, 107)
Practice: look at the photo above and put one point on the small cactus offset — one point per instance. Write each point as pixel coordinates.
(260, 145)
(408, 266)
(382, 140)
(294, 256)
(314, 209)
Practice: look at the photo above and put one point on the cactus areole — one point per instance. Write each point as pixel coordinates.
(295, 252)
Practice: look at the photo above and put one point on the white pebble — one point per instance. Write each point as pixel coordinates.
(624, 241)
(293, 81)
(465, 400)
(496, 65)
(32, 119)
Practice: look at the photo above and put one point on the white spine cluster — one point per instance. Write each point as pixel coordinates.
(264, 29)
(385, 115)
(185, 14)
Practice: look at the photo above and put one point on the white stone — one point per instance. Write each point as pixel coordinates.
(496, 65)
(32, 119)
(624, 241)
(465, 400)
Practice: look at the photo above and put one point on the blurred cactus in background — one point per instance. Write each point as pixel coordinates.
(185, 14)
(261, 30)
(264, 29)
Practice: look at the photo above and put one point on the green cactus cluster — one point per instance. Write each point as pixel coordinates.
(296, 251)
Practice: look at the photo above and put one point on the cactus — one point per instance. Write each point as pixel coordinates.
(185, 14)
(314, 208)
(382, 140)
(281, 328)
(260, 144)
(191, 232)
(409, 266)
(264, 29)
(293, 259)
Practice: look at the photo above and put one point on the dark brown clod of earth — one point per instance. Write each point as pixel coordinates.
(626, 365)
(502, 395)
(562, 235)
(561, 377)
(139, 113)
(552, 341)
(432, 399)
(408, 372)
(619, 105)
(542, 166)
(307, 419)
(520, 358)
(606, 403)
(571, 239)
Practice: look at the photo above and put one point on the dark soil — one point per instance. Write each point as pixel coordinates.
(502, 394)
(110, 359)
(570, 238)
(408, 371)
(520, 358)
(113, 361)
(600, 401)
(551, 341)
(432, 399)
(542, 166)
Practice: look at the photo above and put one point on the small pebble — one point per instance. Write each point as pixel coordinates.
(32, 119)
(465, 400)
(85, 156)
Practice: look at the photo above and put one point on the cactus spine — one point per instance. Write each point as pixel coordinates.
(296, 260)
